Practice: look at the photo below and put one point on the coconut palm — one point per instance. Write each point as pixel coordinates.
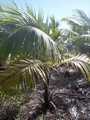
(22, 36)
(25, 35)
(80, 30)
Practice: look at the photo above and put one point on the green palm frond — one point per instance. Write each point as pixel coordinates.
(54, 28)
(23, 74)
(15, 15)
(31, 41)
(82, 62)
(26, 35)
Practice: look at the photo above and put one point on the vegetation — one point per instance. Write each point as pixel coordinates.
(31, 49)
(79, 33)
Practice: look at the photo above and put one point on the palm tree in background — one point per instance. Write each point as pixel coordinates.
(80, 31)
(54, 28)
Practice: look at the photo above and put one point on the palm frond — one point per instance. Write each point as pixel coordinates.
(15, 16)
(83, 17)
(82, 62)
(23, 74)
(33, 42)
(26, 37)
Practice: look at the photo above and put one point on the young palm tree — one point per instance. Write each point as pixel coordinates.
(74, 69)
(25, 36)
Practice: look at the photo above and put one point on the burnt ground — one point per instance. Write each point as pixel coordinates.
(71, 94)
(67, 98)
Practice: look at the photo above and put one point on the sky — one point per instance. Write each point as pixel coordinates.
(58, 8)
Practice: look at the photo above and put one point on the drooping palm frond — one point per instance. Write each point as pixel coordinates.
(31, 41)
(82, 62)
(14, 15)
(23, 74)
(26, 36)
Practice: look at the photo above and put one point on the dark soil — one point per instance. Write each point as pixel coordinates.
(66, 98)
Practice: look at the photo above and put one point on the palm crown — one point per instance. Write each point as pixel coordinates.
(24, 35)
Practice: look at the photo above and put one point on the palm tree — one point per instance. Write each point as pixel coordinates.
(73, 68)
(80, 30)
(25, 35)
